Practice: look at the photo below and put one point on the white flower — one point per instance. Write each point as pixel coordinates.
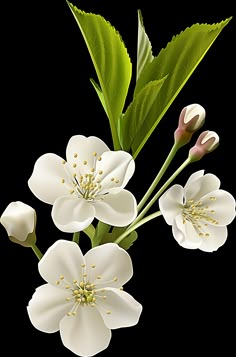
(83, 297)
(90, 184)
(19, 220)
(198, 212)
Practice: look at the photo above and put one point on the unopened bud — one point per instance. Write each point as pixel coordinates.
(206, 143)
(19, 220)
(191, 118)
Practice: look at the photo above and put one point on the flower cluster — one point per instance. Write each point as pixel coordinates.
(83, 296)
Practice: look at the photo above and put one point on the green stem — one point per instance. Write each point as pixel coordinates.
(163, 169)
(115, 139)
(135, 226)
(36, 251)
(76, 236)
(159, 193)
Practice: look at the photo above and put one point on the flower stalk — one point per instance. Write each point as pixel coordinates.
(159, 193)
(157, 179)
(36, 251)
(137, 225)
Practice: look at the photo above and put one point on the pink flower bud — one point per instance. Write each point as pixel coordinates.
(191, 118)
(206, 143)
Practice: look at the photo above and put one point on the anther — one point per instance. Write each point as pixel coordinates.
(85, 162)
(75, 155)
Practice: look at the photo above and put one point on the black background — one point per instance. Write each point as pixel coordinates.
(188, 297)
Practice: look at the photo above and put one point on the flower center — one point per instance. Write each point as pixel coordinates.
(83, 292)
(92, 184)
(199, 216)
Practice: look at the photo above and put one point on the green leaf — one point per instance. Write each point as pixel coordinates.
(100, 94)
(144, 48)
(128, 241)
(101, 231)
(111, 62)
(137, 116)
(117, 231)
(111, 237)
(178, 60)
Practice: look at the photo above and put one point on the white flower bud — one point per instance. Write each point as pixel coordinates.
(19, 220)
(211, 139)
(192, 117)
(206, 143)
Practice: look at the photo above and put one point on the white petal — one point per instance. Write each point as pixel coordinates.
(123, 310)
(196, 175)
(46, 179)
(185, 234)
(201, 186)
(171, 203)
(222, 206)
(85, 334)
(63, 258)
(81, 150)
(118, 165)
(19, 220)
(47, 307)
(72, 214)
(118, 209)
(217, 237)
(112, 264)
